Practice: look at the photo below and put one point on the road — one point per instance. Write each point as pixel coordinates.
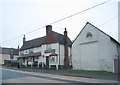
(15, 76)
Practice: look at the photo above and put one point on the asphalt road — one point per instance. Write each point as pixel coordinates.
(10, 76)
(14, 76)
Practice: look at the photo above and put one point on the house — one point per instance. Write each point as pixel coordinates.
(95, 50)
(54, 49)
(8, 54)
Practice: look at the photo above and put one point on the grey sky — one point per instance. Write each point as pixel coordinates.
(22, 16)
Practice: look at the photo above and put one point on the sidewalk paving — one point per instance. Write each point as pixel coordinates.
(69, 72)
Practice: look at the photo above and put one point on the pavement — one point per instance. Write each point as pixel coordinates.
(68, 72)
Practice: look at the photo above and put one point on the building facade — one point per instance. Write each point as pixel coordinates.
(8, 54)
(95, 50)
(119, 21)
(46, 51)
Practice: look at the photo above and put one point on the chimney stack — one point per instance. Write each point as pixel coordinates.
(48, 29)
(66, 58)
(18, 47)
(24, 40)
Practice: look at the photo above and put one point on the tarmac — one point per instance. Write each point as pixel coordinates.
(69, 72)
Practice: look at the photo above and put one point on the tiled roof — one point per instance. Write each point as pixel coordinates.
(59, 38)
(33, 43)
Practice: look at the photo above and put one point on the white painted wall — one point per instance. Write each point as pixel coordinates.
(107, 53)
(61, 54)
(70, 55)
(81, 43)
(88, 56)
(59, 49)
(53, 46)
(94, 53)
(37, 49)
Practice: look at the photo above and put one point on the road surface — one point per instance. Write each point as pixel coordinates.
(15, 76)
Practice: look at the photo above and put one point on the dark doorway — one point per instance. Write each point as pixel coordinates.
(47, 61)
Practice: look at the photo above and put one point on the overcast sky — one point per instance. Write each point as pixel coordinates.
(22, 16)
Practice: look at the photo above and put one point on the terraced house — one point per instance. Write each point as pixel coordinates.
(54, 49)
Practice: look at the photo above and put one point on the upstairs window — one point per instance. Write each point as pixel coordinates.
(26, 51)
(31, 50)
(21, 52)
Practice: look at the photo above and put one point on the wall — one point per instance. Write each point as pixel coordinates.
(107, 52)
(82, 47)
(4, 57)
(53, 46)
(35, 50)
(59, 49)
(15, 57)
(94, 53)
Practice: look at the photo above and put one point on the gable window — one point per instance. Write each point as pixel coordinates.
(48, 47)
(89, 34)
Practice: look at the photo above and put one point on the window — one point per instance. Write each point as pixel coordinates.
(48, 47)
(21, 52)
(53, 58)
(11, 51)
(31, 50)
(26, 51)
(89, 34)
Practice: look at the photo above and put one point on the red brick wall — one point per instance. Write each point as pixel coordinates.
(117, 65)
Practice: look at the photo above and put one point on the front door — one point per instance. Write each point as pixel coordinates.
(47, 61)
